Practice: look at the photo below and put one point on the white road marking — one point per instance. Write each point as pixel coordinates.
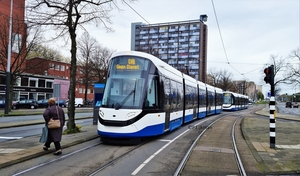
(2, 137)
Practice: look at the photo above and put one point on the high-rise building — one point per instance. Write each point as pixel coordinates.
(181, 44)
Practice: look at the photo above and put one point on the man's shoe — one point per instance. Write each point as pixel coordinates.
(45, 148)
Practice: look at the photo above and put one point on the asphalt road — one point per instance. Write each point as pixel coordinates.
(32, 130)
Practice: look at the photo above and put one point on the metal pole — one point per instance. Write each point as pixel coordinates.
(272, 111)
(8, 62)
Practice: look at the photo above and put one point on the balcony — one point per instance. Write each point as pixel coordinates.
(153, 36)
(173, 30)
(195, 33)
(144, 32)
(153, 31)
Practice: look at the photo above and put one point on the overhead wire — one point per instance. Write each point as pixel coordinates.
(223, 45)
(223, 41)
(136, 12)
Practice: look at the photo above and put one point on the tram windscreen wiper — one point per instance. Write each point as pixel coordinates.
(118, 106)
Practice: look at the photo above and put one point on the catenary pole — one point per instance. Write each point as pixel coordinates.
(8, 61)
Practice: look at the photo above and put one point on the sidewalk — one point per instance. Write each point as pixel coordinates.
(15, 151)
(284, 158)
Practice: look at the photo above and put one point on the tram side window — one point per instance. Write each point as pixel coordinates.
(210, 99)
(202, 97)
(166, 84)
(151, 100)
(218, 99)
(173, 95)
(194, 96)
(179, 96)
(188, 97)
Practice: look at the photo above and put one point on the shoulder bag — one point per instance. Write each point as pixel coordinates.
(54, 123)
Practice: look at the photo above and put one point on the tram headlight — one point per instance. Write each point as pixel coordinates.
(101, 114)
(130, 115)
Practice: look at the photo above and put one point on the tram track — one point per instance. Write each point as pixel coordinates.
(115, 160)
(184, 162)
(57, 159)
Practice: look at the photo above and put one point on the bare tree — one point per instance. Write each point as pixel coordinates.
(282, 73)
(221, 79)
(280, 66)
(20, 49)
(65, 17)
(294, 69)
(86, 47)
(46, 52)
(100, 61)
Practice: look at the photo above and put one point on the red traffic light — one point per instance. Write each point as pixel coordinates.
(266, 71)
(269, 78)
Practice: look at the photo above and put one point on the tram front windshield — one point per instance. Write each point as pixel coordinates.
(126, 83)
(227, 99)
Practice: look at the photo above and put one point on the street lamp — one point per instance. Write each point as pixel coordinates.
(203, 18)
(8, 61)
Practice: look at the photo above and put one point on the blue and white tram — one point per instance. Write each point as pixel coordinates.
(234, 101)
(144, 96)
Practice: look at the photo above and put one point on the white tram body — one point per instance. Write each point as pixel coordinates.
(234, 101)
(145, 96)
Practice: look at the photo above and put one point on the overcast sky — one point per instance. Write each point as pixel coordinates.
(251, 30)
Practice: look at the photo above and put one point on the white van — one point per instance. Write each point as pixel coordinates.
(78, 102)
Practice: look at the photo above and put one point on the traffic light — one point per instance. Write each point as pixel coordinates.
(269, 78)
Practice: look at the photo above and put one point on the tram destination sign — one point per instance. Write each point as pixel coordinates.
(131, 65)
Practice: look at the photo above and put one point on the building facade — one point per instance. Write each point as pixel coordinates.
(181, 44)
(41, 74)
(29, 86)
(18, 31)
(61, 71)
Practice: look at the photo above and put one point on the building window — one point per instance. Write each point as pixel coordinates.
(51, 65)
(56, 67)
(3, 79)
(62, 68)
(49, 84)
(24, 81)
(80, 90)
(42, 83)
(32, 83)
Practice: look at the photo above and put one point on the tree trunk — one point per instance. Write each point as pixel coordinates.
(71, 94)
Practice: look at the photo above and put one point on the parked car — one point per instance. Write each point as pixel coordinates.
(61, 103)
(295, 105)
(78, 102)
(31, 104)
(2, 103)
(288, 104)
(43, 103)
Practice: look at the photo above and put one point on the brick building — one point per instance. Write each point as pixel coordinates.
(61, 70)
(18, 32)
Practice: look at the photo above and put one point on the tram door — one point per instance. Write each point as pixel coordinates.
(167, 117)
(195, 112)
(167, 102)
